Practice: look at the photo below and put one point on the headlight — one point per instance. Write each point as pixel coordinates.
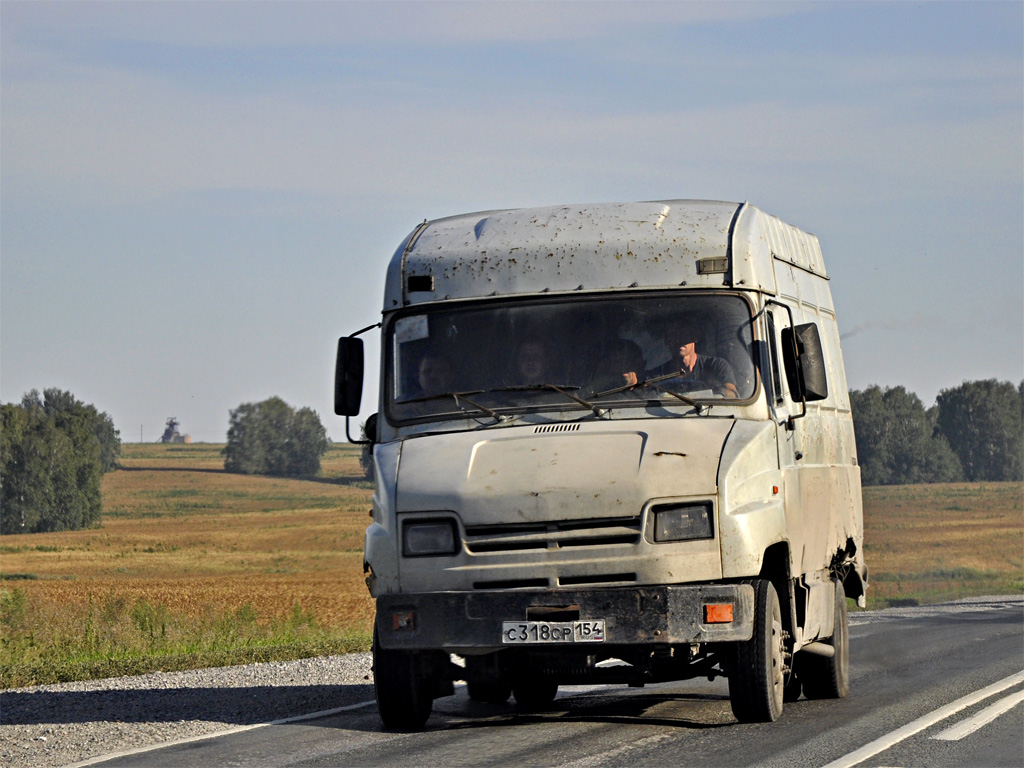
(680, 522)
(429, 537)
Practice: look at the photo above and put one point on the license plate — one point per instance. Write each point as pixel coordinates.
(523, 632)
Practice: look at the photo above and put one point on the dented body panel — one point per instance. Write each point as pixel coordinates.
(502, 496)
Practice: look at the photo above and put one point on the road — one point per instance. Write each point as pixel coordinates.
(937, 686)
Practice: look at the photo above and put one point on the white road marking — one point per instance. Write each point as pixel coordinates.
(602, 757)
(986, 716)
(895, 737)
(217, 734)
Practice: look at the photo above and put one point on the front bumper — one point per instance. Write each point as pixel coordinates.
(653, 615)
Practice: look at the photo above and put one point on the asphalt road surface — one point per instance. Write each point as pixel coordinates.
(933, 686)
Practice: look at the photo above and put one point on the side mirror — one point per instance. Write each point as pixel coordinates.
(348, 376)
(805, 363)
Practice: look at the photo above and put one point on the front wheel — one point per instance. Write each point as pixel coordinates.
(829, 678)
(404, 696)
(758, 672)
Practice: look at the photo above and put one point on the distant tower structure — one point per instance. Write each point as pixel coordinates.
(171, 433)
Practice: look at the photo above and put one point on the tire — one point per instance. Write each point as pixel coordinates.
(491, 693)
(535, 693)
(758, 673)
(824, 678)
(404, 696)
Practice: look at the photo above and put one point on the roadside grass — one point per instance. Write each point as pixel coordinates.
(115, 635)
(193, 567)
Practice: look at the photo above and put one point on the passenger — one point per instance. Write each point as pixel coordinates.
(531, 364)
(715, 372)
(435, 374)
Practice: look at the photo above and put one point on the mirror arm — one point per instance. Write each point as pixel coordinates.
(348, 436)
(364, 330)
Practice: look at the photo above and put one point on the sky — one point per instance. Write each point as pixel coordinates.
(198, 198)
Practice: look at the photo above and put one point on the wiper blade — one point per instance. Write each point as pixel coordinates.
(684, 398)
(462, 396)
(644, 383)
(530, 387)
(653, 384)
(562, 389)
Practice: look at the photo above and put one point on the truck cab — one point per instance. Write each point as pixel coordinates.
(613, 444)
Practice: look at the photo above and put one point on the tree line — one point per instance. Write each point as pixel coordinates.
(974, 432)
(54, 449)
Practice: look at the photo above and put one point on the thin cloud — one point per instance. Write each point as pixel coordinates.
(282, 24)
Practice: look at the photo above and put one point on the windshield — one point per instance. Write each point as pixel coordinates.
(557, 354)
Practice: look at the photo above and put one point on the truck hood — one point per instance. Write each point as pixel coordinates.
(559, 472)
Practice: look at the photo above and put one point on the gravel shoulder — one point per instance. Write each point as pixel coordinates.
(57, 725)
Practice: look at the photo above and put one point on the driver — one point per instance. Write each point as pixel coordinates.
(715, 372)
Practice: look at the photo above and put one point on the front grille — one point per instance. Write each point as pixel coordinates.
(560, 534)
(510, 584)
(562, 581)
(556, 428)
(604, 578)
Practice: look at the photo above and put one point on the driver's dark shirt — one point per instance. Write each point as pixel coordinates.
(714, 371)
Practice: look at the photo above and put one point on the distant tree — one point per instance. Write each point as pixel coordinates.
(270, 438)
(53, 452)
(983, 421)
(896, 441)
(25, 487)
(67, 411)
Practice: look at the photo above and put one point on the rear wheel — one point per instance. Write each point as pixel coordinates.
(404, 696)
(829, 678)
(758, 672)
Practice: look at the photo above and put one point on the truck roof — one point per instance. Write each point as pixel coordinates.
(594, 248)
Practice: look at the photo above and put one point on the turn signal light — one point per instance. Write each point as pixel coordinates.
(403, 620)
(718, 613)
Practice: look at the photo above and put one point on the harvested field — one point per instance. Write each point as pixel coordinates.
(929, 543)
(210, 554)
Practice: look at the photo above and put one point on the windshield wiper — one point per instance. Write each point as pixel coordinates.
(684, 398)
(560, 389)
(652, 383)
(457, 396)
(644, 383)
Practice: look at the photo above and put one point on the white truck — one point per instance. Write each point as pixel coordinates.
(613, 444)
